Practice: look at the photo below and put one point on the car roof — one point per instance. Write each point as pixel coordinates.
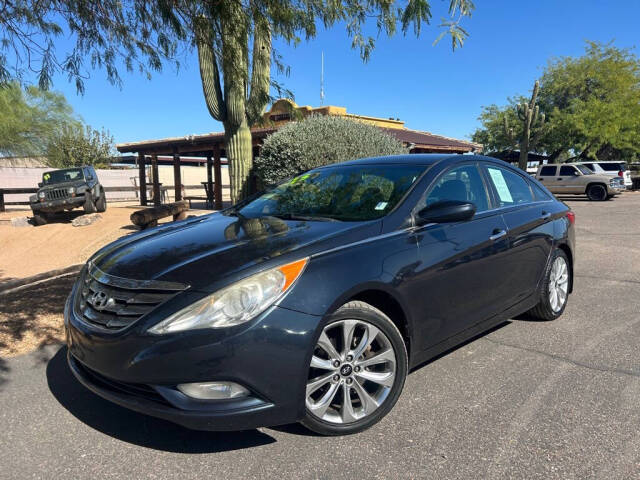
(425, 159)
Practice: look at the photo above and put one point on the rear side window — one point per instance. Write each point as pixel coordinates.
(548, 171)
(511, 188)
(611, 167)
(568, 171)
(539, 194)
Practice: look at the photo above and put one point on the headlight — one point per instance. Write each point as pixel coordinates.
(41, 194)
(71, 190)
(235, 304)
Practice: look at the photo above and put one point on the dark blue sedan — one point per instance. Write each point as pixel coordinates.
(312, 301)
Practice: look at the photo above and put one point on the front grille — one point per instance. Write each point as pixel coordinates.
(135, 389)
(114, 303)
(57, 194)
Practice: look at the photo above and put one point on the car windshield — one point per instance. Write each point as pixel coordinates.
(584, 170)
(347, 193)
(60, 176)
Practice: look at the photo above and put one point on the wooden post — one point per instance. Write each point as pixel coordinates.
(156, 182)
(1, 200)
(177, 177)
(209, 181)
(143, 179)
(217, 172)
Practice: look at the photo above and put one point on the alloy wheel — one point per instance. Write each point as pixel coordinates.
(558, 284)
(352, 371)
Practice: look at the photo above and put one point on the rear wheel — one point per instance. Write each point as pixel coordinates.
(597, 192)
(555, 288)
(357, 371)
(89, 206)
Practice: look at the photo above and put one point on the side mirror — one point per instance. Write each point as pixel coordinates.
(448, 211)
(40, 184)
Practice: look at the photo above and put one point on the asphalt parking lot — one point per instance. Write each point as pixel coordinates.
(527, 400)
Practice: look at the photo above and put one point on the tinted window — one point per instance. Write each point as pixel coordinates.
(567, 171)
(612, 167)
(510, 187)
(584, 170)
(590, 166)
(539, 194)
(348, 193)
(548, 172)
(462, 183)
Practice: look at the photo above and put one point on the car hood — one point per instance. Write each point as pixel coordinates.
(201, 251)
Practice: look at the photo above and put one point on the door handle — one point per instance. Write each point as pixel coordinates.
(558, 179)
(497, 234)
(545, 215)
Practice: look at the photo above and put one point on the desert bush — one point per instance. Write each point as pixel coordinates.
(320, 140)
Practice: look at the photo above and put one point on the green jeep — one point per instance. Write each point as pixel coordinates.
(67, 189)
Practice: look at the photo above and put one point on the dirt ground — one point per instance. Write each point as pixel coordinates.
(31, 318)
(28, 251)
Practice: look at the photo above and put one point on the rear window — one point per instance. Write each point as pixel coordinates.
(613, 167)
(548, 171)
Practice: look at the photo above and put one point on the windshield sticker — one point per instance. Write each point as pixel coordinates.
(46, 177)
(381, 205)
(501, 185)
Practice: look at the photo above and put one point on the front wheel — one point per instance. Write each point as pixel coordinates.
(597, 193)
(101, 203)
(89, 206)
(357, 371)
(555, 288)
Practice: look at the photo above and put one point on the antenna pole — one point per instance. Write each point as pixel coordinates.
(322, 79)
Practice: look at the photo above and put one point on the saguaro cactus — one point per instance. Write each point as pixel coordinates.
(235, 101)
(531, 118)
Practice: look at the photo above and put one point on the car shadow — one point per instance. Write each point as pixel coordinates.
(135, 428)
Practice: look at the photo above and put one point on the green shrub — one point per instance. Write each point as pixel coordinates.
(320, 140)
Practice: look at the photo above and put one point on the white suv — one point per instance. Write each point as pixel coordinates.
(613, 169)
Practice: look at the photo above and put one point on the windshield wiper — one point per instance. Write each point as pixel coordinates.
(293, 216)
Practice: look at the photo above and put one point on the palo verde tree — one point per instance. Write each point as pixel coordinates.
(233, 37)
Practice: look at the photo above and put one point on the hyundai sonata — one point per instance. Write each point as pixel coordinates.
(311, 301)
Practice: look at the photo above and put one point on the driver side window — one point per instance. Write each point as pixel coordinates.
(462, 183)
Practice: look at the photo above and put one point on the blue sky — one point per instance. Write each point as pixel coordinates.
(430, 88)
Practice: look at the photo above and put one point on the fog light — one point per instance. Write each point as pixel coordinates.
(213, 390)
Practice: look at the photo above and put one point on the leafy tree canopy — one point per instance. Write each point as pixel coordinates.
(592, 106)
(320, 140)
(30, 119)
(77, 145)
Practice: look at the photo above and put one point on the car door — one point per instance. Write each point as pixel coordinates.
(461, 270)
(530, 230)
(571, 179)
(548, 176)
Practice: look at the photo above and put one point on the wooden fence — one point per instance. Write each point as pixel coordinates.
(13, 191)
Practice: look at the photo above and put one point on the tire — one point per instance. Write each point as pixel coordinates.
(597, 192)
(333, 376)
(546, 309)
(101, 204)
(89, 206)
(39, 220)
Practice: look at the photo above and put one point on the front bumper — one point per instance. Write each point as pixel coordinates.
(270, 356)
(52, 206)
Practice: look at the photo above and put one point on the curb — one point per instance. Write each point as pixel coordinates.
(20, 283)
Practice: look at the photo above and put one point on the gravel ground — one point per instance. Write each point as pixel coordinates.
(527, 400)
